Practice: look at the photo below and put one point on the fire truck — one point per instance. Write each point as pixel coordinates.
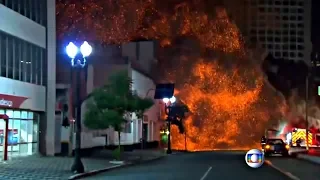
(297, 138)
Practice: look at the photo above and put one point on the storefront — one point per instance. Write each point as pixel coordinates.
(23, 132)
(23, 123)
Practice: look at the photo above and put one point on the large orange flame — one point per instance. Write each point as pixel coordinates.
(229, 101)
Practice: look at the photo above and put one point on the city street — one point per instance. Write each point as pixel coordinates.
(299, 168)
(195, 166)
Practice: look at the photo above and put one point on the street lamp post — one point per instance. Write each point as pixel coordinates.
(78, 62)
(168, 102)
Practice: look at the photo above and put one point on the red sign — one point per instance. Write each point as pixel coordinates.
(11, 101)
(13, 137)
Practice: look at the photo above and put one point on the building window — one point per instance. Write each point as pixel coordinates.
(293, 18)
(43, 71)
(300, 47)
(38, 65)
(21, 60)
(33, 65)
(8, 3)
(28, 8)
(127, 127)
(285, 10)
(16, 57)
(43, 12)
(2, 56)
(292, 54)
(34, 10)
(293, 47)
(9, 49)
(262, 39)
(15, 5)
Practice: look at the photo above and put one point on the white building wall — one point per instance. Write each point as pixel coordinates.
(142, 85)
(145, 87)
(35, 94)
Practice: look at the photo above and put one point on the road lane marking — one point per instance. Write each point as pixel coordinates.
(292, 176)
(206, 173)
(288, 174)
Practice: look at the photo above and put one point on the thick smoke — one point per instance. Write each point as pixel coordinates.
(289, 78)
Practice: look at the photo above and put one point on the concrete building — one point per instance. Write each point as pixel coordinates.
(282, 27)
(104, 61)
(27, 61)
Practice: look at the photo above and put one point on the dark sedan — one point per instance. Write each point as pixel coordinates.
(275, 146)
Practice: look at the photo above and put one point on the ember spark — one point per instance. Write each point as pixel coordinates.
(229, 101)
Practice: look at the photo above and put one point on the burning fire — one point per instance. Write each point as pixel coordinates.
(203, 53)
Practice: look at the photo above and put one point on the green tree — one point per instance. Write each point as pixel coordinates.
(113, 104)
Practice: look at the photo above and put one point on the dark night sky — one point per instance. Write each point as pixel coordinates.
(315, 25)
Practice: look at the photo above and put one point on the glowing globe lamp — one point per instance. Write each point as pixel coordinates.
(72, 50)
(85, 49)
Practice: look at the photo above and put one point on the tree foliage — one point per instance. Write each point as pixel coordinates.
(113, 104)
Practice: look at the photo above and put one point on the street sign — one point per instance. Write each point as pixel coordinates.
(318, 90)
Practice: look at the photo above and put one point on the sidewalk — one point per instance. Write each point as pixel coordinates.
(36, 167)
(58, 168)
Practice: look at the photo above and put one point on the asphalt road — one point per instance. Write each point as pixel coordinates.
(301, 169)
(195, 166)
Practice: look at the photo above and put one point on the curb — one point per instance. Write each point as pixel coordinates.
(288, 174)
(181, 151)
(98, 171)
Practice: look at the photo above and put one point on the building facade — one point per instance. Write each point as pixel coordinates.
(27, 91)
(104, 61)
(282, 27)
(136, 130)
